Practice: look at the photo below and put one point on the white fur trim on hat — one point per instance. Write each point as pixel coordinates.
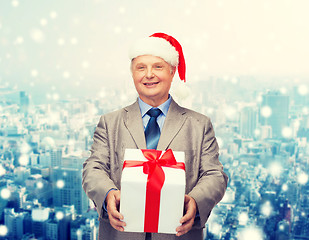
(157, 47)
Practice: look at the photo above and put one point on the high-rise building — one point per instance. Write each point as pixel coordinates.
(275, 112)
(67, 188)
(39, 218)
(248, 122)
(24, 101)
(14, 223)
(56, 157)
(52, 229)
(84, 229)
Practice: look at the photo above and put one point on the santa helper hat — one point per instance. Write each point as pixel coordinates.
(163, 46)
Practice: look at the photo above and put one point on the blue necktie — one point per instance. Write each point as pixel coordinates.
(152, 132)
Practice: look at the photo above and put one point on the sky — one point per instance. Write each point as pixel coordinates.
(81, 46)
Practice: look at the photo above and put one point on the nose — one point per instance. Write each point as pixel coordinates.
(149, 73)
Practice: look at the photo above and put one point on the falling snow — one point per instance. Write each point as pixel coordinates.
(2, 170)
(251, 233)
(5, 193)
(302, 178)
(3, 230)
(287, 132)
(266, 209)
(60, 184)
(59, 215)
(266, 111)
(303, 90)
(37, 35)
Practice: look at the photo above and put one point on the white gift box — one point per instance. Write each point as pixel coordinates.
(133, 194)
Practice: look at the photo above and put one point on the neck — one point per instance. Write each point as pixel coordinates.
(154, 102)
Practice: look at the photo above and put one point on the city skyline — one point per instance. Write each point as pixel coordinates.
(44, 145)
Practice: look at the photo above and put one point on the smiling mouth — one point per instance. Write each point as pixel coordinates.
(151, 84)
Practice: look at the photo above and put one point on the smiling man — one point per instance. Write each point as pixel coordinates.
(155, 121)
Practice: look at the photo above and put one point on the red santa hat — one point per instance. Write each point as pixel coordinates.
(163, 46)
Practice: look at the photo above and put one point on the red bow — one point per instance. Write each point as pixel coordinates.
(155, 181)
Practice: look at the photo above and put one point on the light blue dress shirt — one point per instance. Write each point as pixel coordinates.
(144, 107)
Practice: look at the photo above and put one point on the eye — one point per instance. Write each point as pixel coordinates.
(140, 67)
(158, 66)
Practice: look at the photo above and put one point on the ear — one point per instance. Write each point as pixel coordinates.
(173, 71)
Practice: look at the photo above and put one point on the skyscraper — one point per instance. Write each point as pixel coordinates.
(24, 101)
(248, 122)
(67, 188)
(274, 112)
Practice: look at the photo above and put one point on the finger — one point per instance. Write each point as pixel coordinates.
(115, 214)
(189, 215)
(184, 228)
(112, 205)
(117, 224)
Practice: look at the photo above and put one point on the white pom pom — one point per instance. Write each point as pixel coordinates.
(180, 90)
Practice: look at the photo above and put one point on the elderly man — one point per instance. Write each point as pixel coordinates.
(155, 121)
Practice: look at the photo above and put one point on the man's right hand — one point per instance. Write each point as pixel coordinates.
(112, 207)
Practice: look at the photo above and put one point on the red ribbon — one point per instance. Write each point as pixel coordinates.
(155, 181)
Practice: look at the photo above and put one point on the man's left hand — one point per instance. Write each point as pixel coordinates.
(188, 219)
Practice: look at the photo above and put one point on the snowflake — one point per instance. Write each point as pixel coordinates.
(55, 96)
(19, 40)
(53, 14)
(59, 215)
(5, 193)
(266, 111)
(2, 170)
(252, 233)
(23, 160)
(61, 41)
(43, 22)
(230, 112)
(66, 74)
(266, 209)
(39, 185)
(302, 178)
(287, 132)
(122, 10)
(73, 41)
(275, 169)
(25, 148)
(243, 218)
(37, 35)
(257, 132)
(284, 187)
(234, 80)
(85, 64)
(117, 30)
(3, 230)
(302, 90)
(215, 228)
(60, 184)
(15, 3)
(283, 90)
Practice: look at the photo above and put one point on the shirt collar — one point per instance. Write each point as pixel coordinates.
(144, 107)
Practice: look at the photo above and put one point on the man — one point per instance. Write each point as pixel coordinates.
(154, 61)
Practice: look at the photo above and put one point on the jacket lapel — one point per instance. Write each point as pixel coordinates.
(133, 122)
(174, 121)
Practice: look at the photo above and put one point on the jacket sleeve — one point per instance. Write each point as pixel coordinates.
(96, 169)
(212, 181)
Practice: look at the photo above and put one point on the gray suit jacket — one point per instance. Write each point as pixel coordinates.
(183, 130)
